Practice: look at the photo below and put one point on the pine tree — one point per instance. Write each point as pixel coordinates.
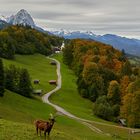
(126, 69)
(1, 79)
(25, 87)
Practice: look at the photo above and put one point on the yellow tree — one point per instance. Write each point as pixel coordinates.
(130, 109)
(124, 84)
(114, 92)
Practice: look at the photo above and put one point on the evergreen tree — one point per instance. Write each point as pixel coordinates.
(1, 79)
(68, 55)
(12, 78)
(126, 69)
(25, 87)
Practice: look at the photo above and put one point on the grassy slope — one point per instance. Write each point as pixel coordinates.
(18, 112)
(18, 108)
(69, 98)
(38, 67)
(64, 129)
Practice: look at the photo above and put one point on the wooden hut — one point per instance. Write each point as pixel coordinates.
(53, 82)
(36, 81)
(38, 91)
(53, 63)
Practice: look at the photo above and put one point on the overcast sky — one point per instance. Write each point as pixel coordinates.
(121, 17)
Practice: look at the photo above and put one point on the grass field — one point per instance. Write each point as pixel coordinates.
(17, 113)
(18, 108)
(39, 68)
(64, 129)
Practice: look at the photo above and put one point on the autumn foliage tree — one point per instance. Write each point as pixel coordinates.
(106, 77)
(130, 109)
(114, 93)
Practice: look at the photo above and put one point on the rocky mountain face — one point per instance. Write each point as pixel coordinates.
(21, 18)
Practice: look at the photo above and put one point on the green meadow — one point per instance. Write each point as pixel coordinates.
(17, 113)
(39, 68)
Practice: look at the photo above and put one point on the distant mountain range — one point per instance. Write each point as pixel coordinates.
(131, 46)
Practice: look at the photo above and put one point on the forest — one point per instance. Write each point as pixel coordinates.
(25, 40)
(21, 40)
(106, 77)
(15, 79)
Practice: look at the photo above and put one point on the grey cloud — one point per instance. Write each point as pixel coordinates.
(101, 16)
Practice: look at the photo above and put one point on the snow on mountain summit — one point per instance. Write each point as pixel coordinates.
(22, 18)
(3, 18)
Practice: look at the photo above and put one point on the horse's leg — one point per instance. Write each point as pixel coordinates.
(45, 134)
(37, 130)
(40, 132)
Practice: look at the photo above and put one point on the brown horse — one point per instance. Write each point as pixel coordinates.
(45, 126)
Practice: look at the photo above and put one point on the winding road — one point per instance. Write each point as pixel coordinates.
(61, 110)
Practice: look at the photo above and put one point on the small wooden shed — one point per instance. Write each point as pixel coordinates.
(53, 82)
(36, 81)
(53, 63)
(38, 91)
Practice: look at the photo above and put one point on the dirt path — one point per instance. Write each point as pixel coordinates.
(61, 110)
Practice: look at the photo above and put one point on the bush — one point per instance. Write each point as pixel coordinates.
(103, 109)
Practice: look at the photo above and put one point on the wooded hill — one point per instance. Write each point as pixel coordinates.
(22, 40)
(25, 40)
(106, 77)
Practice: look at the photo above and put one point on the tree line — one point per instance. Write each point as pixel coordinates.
(20, 39)
(15, 79)
(106, 77)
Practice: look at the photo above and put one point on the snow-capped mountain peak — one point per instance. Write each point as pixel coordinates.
(21, 18)
(3, 18)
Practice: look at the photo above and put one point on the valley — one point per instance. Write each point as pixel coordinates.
(17, 111)
(72, 73)
(20, 112)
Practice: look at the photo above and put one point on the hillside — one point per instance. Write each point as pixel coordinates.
(27, 110)
(69, 99)
(106, 77)
(42, 71)
(20, 39)
(20, 112)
